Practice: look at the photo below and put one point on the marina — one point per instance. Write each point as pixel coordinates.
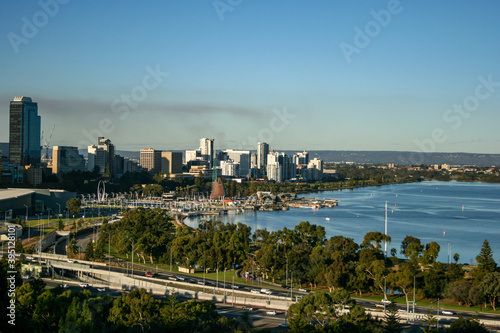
(469, 212)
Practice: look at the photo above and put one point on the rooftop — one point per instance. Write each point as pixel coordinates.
(14, 193)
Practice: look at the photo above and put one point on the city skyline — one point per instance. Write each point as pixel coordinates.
(383, 75)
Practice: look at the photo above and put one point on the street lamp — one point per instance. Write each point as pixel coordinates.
(217, 283)
(27, 220)
(59, 208)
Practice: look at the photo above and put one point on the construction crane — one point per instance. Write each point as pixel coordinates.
(45, 156)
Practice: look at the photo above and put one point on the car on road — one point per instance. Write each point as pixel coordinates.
(235, 286)
(448, 312)
(150, 274)
(71, 261)
(284, 325)
(303, 290)
(255, 291)
(271, 313)
(180, 278)
(173, 278)
(266, 291)
(83, 285)
(65, 286)
(201, 282)
(102, 289)
(247, 308)
(385, 301)
(30, 258)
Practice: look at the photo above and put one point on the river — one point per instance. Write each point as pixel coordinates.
(458, 216)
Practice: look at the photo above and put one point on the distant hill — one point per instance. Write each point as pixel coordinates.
(386, 157)
(406, 158)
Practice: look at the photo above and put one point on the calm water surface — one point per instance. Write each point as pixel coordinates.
(458, 216)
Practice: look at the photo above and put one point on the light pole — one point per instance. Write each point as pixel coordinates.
(109, 258)
(217, 283)
(27, 220)
(133, 261)
(59, 209)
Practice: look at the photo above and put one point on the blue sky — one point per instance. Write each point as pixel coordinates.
(248, 71)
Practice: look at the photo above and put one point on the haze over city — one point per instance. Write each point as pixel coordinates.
(377, 75)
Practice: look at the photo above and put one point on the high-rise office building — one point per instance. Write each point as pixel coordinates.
(262, 151)
(301, 158)
(207, 150)
(151, 160)
(66, 159)
(242, 157)
(280, 167)
(171, 162)
(102, 156)
(109, 148)
(24, 132)
(97, 158)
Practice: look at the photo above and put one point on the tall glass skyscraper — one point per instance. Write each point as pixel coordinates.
(24, 132)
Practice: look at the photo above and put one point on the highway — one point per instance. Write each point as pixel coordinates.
(258, 316)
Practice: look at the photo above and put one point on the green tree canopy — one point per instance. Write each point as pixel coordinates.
(74, 205)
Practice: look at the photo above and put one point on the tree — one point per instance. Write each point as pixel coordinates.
(491, 288)
(456, 257)
(485, 261)
(74, 205)
(463, 325)
(392, 324)
(199, 182)
(72, 249)
(431, 252)
(429, 322)
(402, 280)
(411, 247)
(459, 291)
(374, 239)
(435, 281)
(60, 224)
(89, 251)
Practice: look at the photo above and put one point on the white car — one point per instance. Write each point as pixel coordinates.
(271, 313)
(385, 301)
(448, 312)
(303, 290)
(255, 291)
(103, 289)
(64, 286)
(30, 258)
(234, 286)
(83, 285)
(71, 261)
(247, 308)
